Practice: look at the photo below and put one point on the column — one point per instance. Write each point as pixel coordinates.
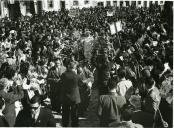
(148, 2)
(35, 6)
(23, 8)
(56, 5)
(124, 3)
(136, 3)
(1, 9)
(118, 3)
(129, 2)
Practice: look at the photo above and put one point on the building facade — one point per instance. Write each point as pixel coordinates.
(27, 7)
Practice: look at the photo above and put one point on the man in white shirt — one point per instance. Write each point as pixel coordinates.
(123, 85)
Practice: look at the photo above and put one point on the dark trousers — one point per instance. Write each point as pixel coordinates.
(70, 110)
(85, 98)
(55, 99)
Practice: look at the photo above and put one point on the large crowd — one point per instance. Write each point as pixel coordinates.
(57, 58)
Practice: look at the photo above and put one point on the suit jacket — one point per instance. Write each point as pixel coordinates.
(45, 119)
(54, 77)
(10, 98)
(152, 100)
(70, 87)
(109, 109)
(3, 122)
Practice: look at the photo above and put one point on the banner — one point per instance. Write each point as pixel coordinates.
(73, 12)
(112, 29)
(116, 27)
(119, 26)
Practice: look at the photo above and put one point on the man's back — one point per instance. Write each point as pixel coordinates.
(70, 89)
(152, 100)
(109, 108)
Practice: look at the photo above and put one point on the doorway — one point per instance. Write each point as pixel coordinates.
(100, 4)
(62, 4)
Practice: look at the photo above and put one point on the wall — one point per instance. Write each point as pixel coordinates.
(4, 9)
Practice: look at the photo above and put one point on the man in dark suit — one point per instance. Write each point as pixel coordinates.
(3, 121)
(153, 98)
(70, 95)
(54, 82)
(110, 105)
(38, 117)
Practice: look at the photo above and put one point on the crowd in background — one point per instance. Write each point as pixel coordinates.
(40, 55)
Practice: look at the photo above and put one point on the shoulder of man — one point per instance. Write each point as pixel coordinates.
(155, 94)
(46, 111)
(121, 99)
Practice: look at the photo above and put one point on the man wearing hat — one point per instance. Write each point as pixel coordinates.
(54, 81)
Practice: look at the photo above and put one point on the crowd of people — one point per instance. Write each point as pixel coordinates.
(63, 58)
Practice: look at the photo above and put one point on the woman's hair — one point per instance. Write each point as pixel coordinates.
(9, 73)
(121, 72)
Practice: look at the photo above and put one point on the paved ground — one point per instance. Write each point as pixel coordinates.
(90, 118)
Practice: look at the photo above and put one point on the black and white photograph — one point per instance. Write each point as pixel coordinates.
(86, 63)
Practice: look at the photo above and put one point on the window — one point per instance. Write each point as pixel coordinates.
(5, 4)
(115, 3)
(127, 3)
(75, 3)
(50, 3)
(86, 2)
(27, 6)
(100, 4)
(108, 3)
(121, 3)
(139, 2)
(145, 3)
